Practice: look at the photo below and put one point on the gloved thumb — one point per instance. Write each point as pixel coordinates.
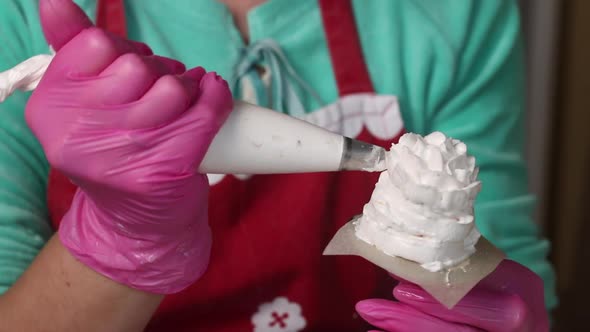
(61, 20)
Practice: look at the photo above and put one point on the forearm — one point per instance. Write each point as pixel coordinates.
(58, 293)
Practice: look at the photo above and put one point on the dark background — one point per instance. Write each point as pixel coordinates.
(557, 34)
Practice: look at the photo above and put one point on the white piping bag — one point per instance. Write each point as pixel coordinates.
(253, 140)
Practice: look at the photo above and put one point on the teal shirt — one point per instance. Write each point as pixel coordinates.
(456, 67)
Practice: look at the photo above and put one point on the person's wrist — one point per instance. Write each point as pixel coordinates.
(152, 261)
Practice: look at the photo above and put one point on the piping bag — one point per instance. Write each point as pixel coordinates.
(253, 140)
(256, 140)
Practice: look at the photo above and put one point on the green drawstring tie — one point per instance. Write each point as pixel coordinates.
(282, 95)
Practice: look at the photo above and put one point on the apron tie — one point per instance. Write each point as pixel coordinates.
(281, 95)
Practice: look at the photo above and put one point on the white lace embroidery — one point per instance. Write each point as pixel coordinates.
(280, 315)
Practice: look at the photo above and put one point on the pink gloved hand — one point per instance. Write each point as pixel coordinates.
(130, 129)
(508, 300)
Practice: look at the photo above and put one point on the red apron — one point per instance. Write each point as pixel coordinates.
(267, 272)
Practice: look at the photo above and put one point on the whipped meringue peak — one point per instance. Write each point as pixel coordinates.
(422, 205)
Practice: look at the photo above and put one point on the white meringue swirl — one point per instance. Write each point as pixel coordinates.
(422, 205)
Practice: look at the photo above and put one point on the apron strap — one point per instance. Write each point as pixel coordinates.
(350, 70)
(110, 15)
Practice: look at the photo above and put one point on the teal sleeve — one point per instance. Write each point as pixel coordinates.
(24, 225)
(484, 107)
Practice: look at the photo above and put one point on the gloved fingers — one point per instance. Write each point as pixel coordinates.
(191, 79)
(195, 75)
(124, 81)
(158, 66)
(87, 55)
(202, 120)
(209, 112)
(127, 79)
(512, 277)
(64, 23)
(489, 310)
(164, 102)
(166, 65)
(215, 99)
(62, 20)
(399, 317)
(141, 48)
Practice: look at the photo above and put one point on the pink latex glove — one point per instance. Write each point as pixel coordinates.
(130, 129)
(508, 300)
